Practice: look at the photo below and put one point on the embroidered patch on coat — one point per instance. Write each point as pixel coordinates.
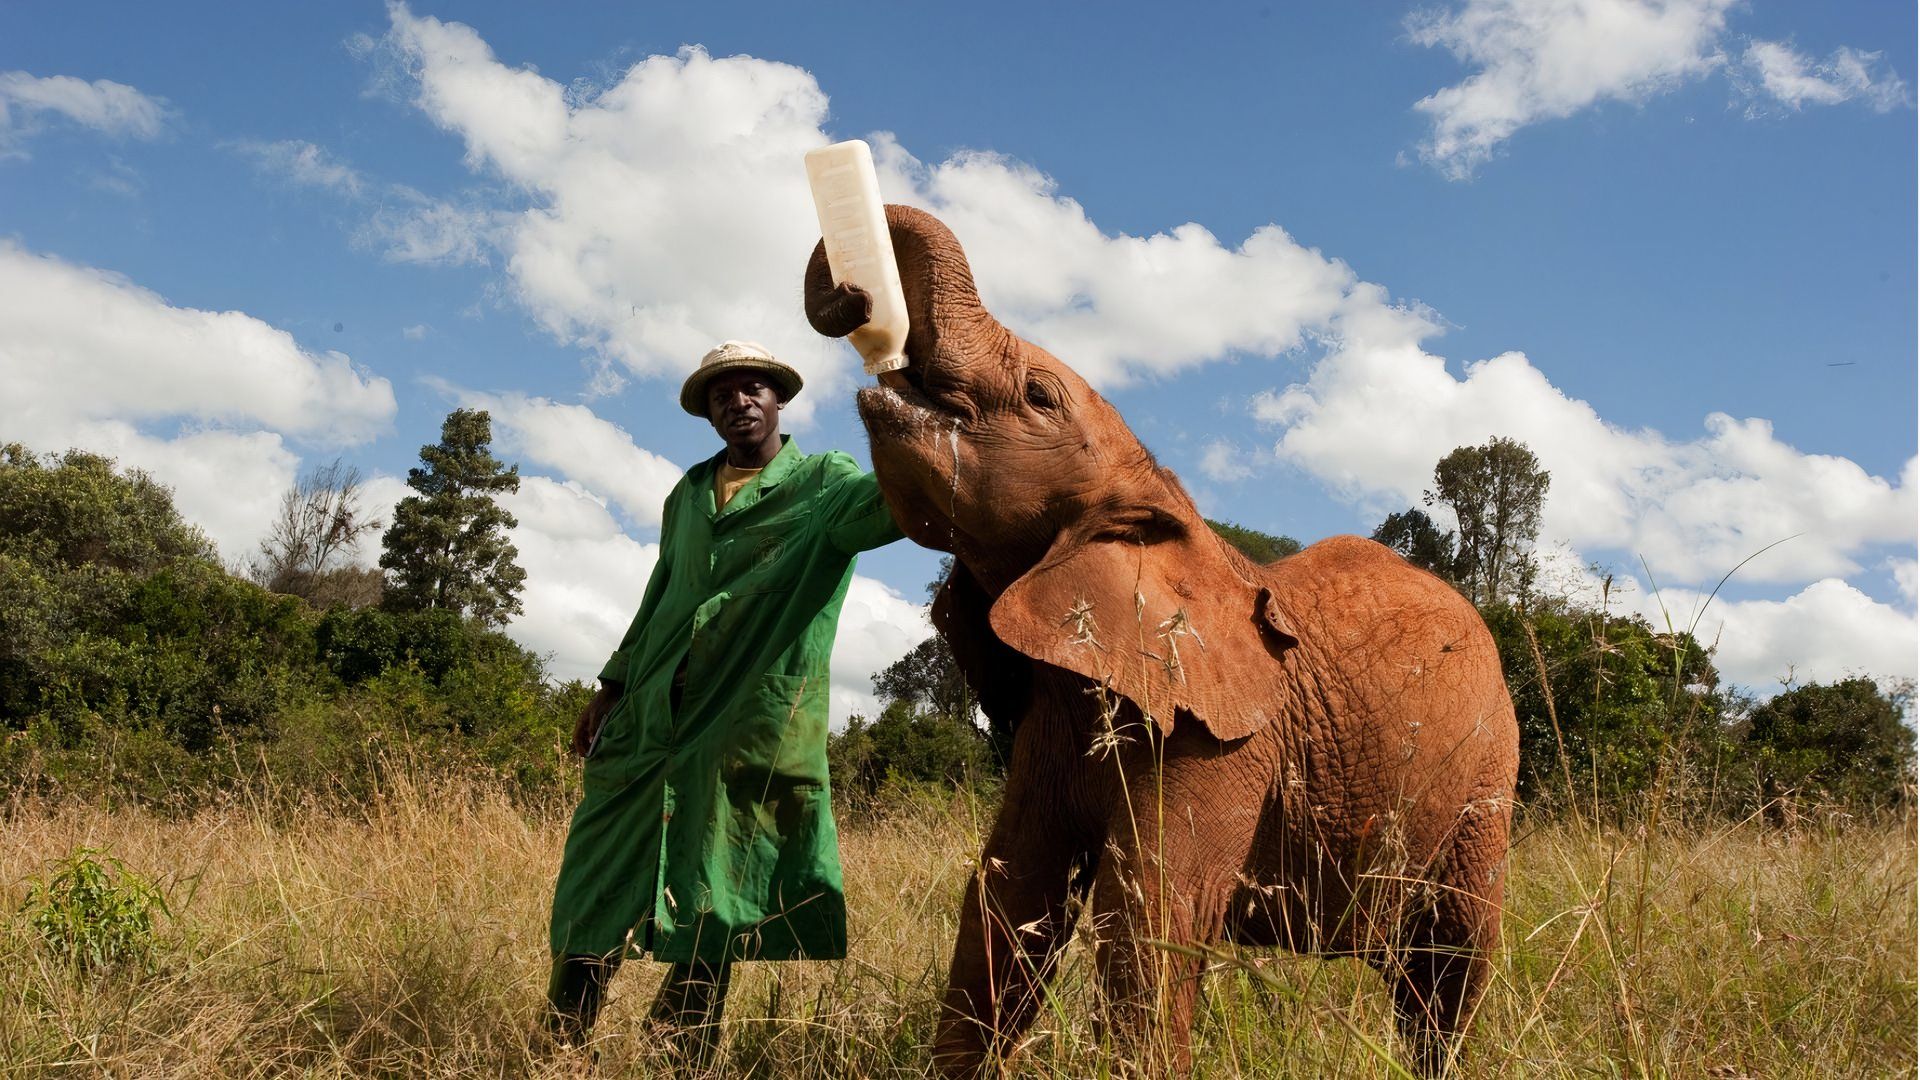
(768, 550)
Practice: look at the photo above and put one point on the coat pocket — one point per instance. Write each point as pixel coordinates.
(780, 729)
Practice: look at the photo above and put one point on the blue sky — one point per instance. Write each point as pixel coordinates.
(1668, 243)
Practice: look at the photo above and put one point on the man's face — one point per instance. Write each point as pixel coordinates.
(744, 408)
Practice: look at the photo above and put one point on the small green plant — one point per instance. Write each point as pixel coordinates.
(94, 913)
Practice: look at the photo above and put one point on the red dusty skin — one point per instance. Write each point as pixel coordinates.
(1318, 753)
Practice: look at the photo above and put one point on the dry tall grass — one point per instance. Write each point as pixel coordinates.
(408, 939)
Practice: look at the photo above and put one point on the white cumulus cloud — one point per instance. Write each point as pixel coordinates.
(26, 101)
(403, 224)
(665, 209)
(665, 212)
(1377, 412)
(410, 227)
(86, 343)
(202, 399)
(1537, 60)
(877, 627)
(668, 210)
(1905, 572)
(1545, 59)
(594, 452)
(1119, 306)
(584, 579)
(1224, 462)
(1829, 630)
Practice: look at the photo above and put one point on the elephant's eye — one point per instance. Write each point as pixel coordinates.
(1039, 396)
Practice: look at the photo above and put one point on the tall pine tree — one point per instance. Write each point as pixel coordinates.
(447, 548)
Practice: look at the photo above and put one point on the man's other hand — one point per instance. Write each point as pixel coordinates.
(587, 728)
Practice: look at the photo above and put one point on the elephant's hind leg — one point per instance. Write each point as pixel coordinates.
(1437, 974)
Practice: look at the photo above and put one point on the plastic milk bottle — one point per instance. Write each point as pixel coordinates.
(853, 223)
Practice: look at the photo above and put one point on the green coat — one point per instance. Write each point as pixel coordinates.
(707, 828)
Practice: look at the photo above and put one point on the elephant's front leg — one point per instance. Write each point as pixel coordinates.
(1013, 925)
(1165, 879)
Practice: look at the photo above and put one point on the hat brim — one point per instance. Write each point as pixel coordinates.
(693, 393)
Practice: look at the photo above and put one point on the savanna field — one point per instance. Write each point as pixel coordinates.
(403, 402)
(258, 825)
(405, 936)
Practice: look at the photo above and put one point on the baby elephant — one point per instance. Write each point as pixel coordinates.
(1318, 753)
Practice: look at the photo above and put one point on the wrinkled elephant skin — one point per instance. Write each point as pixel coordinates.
(1319, 753)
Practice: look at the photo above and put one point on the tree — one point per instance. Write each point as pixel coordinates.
(1843, 740)
(1496, 493)
(447, 548)
(925, 690)
(320, 522)
(926, 730)
(927, 679)
(1414, 535)
(1261, 547)
(115, 616)
(75, 510)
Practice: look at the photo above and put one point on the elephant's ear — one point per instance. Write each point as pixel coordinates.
(1171, 626)
(1001, 679)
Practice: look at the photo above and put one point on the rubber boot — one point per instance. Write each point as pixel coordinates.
(689, 1005)
(575, 991)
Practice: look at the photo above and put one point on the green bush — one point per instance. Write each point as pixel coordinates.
(76, 510)
(132, 664)
(114, 615)
(1256, 545)
(1627, 701)
(905, 745)
(359, 644)
(1841, 742)
(95, 915)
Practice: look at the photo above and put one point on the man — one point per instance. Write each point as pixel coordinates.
(705, 827)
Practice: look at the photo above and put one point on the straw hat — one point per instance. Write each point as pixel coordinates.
(736, 356)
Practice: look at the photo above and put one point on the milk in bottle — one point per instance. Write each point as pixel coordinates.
(853, 224)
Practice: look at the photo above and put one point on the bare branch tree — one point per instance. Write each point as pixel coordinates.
(320, 523)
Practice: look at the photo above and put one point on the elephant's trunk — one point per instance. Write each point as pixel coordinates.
(947, 325)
